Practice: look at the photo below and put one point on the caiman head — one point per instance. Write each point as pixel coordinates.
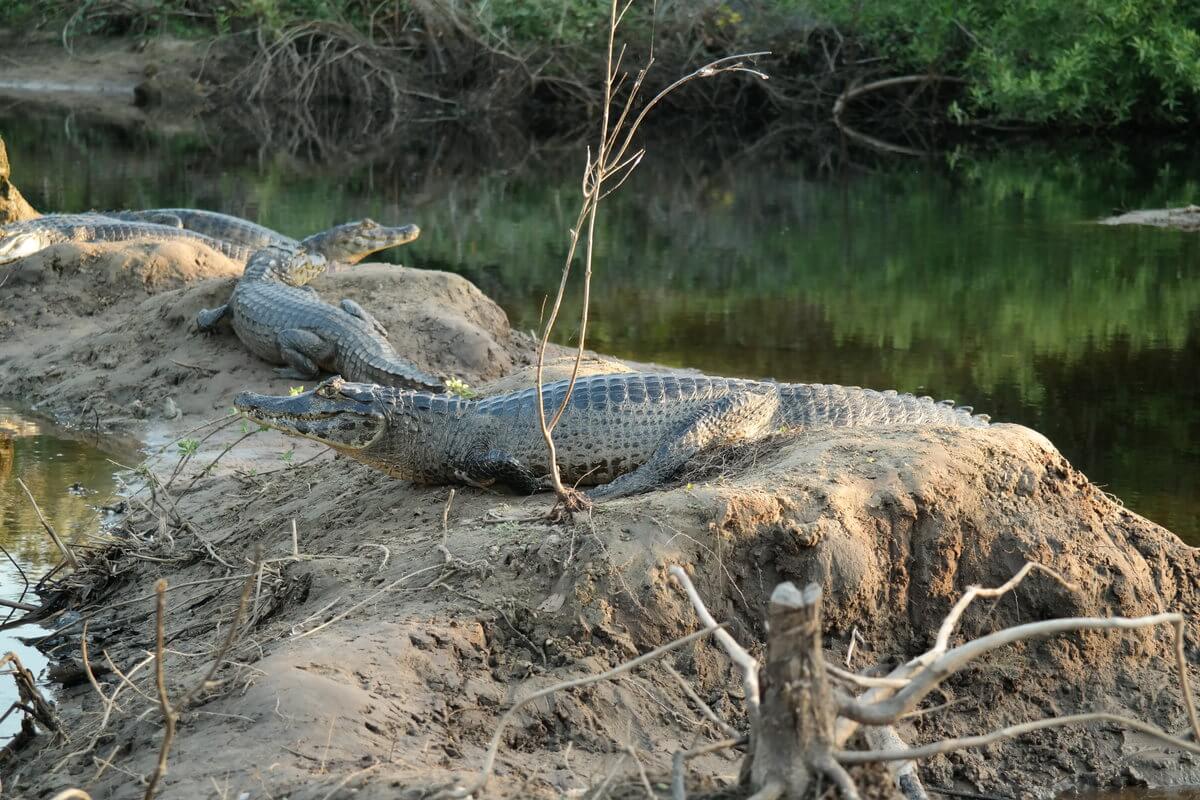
(354, 241)
(348, 417)
(345, 244)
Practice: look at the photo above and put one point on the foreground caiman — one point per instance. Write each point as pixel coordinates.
(284, 322)
(20, 239)
(623, 433)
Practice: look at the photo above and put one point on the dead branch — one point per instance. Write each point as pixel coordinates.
(681, 757)
(795, 728)
(29, 696)
(62, 546)
(160, 678)
(738, 654)
(235, 627)
(965, 742)
(885, 712)
(489, 762)
(853, 91)
(610, 163)
(707, 711)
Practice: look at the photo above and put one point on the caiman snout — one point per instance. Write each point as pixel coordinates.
(342, 415)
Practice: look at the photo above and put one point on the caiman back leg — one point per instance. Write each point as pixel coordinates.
(497, 466)
(355, 310)
(208, 318)
(304, 352)
(739, 415)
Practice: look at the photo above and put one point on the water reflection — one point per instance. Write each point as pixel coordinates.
(69, 477)
(980, 279)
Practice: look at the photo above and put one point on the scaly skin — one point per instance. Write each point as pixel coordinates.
(623, 433)
(20, 239)
(283, 322)
(225, 227)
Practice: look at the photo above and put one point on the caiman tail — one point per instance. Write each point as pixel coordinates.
(381, 368)
(817, 405)
(225, 227)
(21, 239)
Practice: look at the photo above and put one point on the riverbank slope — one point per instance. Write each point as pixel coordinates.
(379, 645)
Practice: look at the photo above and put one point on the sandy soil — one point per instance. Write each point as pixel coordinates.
(1186, 218)
(378, 650)
(13, 206)
(100, 75)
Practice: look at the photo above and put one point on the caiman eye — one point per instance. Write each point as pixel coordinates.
(329, 389)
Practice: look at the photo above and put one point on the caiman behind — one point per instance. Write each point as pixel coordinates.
(622, 433)
(282, 321)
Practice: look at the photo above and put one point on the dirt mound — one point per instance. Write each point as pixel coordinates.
(102, 335)
(380, 654)
(377, 649)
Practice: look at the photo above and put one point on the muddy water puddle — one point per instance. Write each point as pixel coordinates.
(71, 477)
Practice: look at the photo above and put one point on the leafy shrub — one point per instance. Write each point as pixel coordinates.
(1090, 62)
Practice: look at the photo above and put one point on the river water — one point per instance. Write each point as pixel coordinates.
(978, 277)
(71, 477)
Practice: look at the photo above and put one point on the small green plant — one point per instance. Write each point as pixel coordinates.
(295, 391)
(286, 456)
(461, 388)
(188, 447)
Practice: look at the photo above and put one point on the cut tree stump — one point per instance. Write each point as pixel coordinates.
(797, 714)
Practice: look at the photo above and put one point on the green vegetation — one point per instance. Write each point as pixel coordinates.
(1039, 62)
(1091, 62)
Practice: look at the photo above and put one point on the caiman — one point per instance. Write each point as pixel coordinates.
(225, 227)
(284, 322)
(623, 433)
(20, 239)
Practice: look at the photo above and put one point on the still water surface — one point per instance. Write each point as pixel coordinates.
(979, 277)
(70, 476)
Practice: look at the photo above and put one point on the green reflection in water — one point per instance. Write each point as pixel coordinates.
(980, 278)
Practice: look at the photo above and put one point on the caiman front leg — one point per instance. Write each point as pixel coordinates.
(497, 466)
(742, 415)
(304, 352)
(207, 319)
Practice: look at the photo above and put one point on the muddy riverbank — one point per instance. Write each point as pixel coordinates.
(379, 646)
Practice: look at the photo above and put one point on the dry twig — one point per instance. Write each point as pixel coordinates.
(160, 678)
(489, 762)
(612, 163)
(62, 546)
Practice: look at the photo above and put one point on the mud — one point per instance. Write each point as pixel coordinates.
(379, 648)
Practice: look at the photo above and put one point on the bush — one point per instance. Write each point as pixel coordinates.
(1089, 62)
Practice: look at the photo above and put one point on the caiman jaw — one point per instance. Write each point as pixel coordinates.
(345, 416)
